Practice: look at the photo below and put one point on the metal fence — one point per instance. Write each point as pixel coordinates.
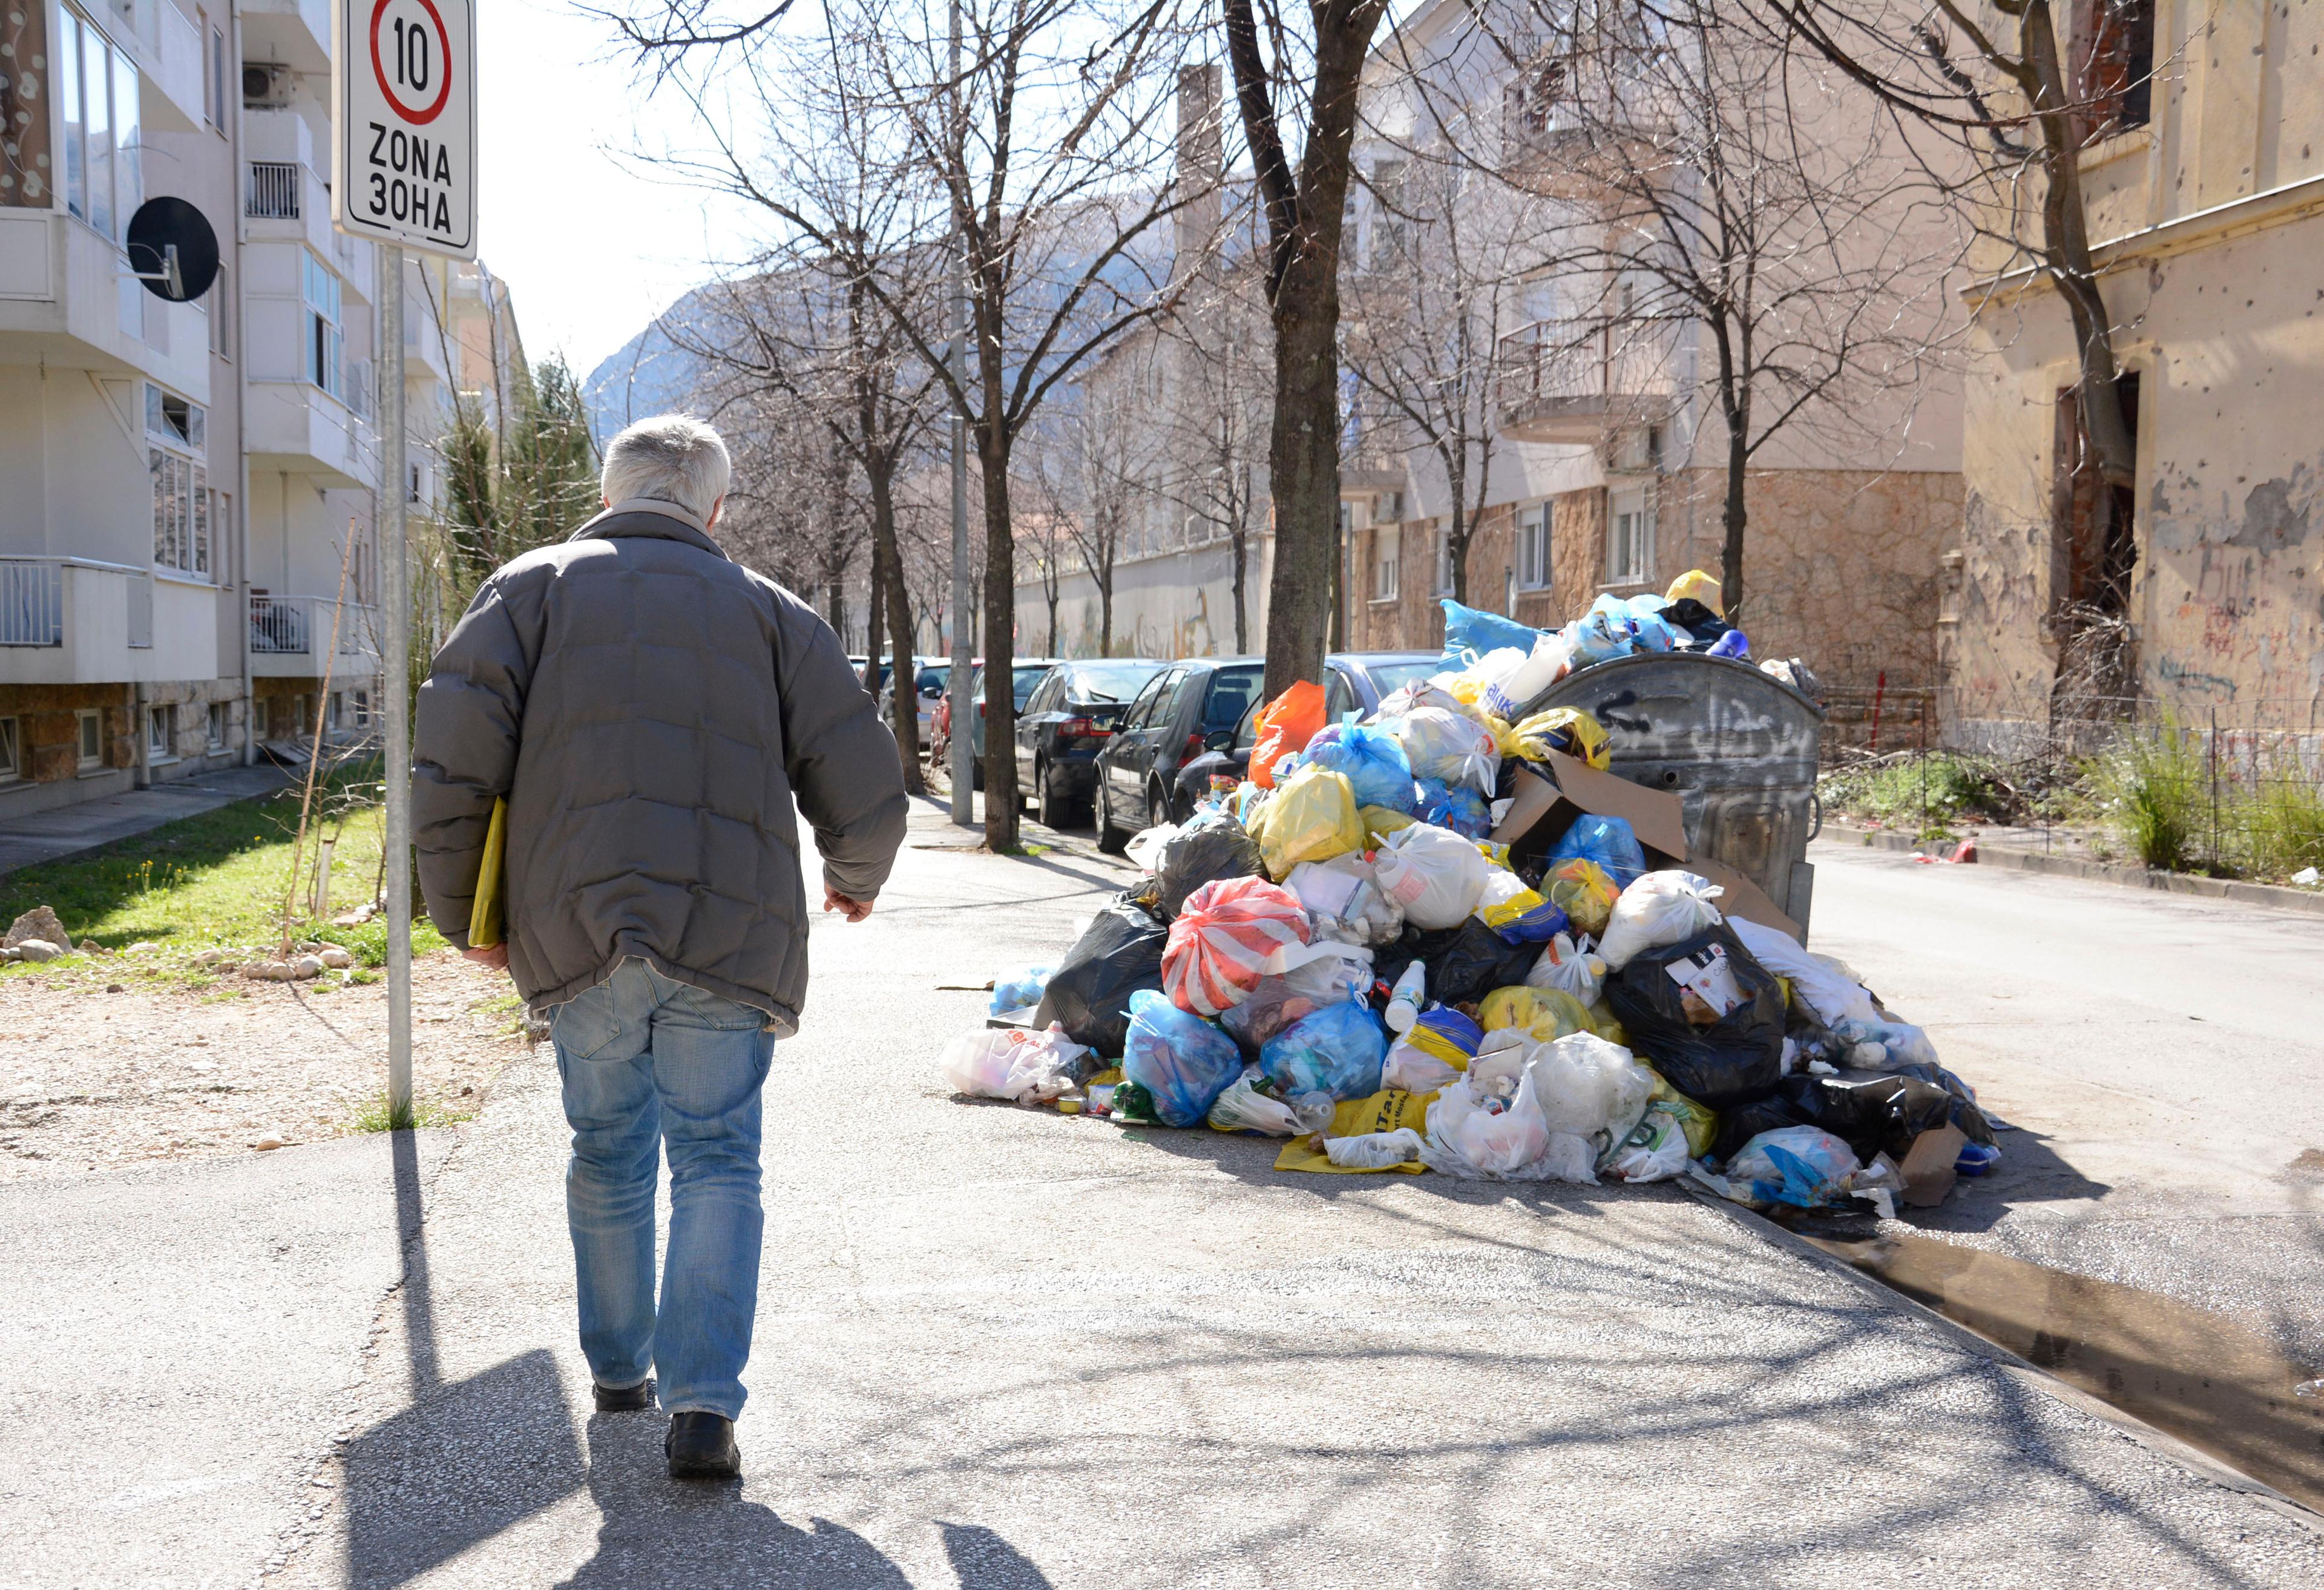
(32, 603)
(277, 628)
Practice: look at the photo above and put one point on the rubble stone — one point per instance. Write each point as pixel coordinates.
(36, 951)
(40, 922)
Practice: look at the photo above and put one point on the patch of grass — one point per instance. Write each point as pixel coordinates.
(2156, 795)
(376, 1116)
(2283, 821)
(1928, 793)
(216, 880)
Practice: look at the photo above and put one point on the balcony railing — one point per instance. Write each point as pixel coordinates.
(272, 192)
(32, 602)
(1555, 378)
(300, 626)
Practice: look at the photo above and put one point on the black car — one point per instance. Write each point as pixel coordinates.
(1023, 675)
(1186, 708)
(1068, 720)
(1354, 681)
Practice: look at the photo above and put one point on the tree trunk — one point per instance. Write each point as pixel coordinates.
(838, 614)
(875, 619)
(1303, 456)
(1735, 518)
(1105, 609)
(1000, 799)
(1053, 622)
(904, 707)
(1240, 540)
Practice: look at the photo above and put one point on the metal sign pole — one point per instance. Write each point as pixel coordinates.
(963, 710)
(397, 662)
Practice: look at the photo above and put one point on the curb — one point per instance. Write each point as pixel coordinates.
(2268, 894)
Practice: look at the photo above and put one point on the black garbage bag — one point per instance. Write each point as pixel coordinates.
(1964, 1112)
(1741, 1125)
(1703, 628)
(1210, 848)
(1089, 992)
(1874, 1111)
(1734, 1059)
(1464, 963)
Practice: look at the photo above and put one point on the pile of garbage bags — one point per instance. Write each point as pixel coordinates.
(1339, 958)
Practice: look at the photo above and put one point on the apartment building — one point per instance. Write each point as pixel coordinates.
(2203, 179)
(189, 561)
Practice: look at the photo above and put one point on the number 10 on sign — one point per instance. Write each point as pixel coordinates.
(404, 81)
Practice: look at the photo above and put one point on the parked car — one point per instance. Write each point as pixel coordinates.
(1357, 681)
(1067, 722)
(1025, 673)
(1182, 711)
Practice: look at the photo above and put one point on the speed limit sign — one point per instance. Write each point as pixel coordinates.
(403, 77)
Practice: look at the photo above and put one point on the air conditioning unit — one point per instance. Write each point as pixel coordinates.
(265, 87)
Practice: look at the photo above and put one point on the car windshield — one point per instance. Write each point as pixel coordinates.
(1109, 681)
(1388, 678)
(1232, 690)
(933, 679)
(1023, 681)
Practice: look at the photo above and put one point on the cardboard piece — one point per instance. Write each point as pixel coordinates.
(1743, 898)
(1928, 1168)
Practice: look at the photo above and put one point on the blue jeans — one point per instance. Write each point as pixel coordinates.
(649, 1064)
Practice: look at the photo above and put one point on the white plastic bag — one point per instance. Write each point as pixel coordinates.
(1146, 846)
(1447, 745)
(1657, 909)
(1345, 898)
(1830, 991)
(1409, 1069)
(1373, 1150)
(1024, 1067)
(1435, 875)
(1243, 1108)
(1655, 1150)
(1468, 1138)
(1585, 1085)
(1568, 967)
(1510, 678)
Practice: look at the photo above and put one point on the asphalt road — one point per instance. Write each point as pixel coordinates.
(1003, 1349)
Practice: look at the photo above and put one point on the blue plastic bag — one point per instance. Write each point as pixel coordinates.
(1015, 990)
(1179, 1059)
(1608, 630)
(1337, 1050)
(1470, 632)
(1733, 643)
(1802, 1166)
(1606, 840)
(1373, 761)
(1457, 806)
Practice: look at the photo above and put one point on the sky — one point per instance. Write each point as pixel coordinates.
(591, 246)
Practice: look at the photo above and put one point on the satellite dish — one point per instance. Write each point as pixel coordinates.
(172, 250)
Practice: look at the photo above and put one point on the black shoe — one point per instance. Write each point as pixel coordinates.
(701, 1446)
(635, 1399)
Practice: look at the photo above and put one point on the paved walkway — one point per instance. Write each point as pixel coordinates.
(68, 830)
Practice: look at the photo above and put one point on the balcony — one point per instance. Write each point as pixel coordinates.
(295, 427)
(67, 301)
(69, 620)
(290, 637)
(285, 194)
(296, 33)
(1561, 384)
(168, 53)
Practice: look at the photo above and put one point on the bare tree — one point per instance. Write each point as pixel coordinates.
(1733, 208)
(1305, 73)
(1034, 137)
(1214, 422)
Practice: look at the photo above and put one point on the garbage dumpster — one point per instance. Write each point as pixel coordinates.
(1737, 747)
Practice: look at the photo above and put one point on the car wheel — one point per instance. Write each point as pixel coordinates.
(1109, 839)
(1057, 810)
(1157, 806)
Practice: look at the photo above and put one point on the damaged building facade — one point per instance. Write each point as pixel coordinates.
(2197, 594)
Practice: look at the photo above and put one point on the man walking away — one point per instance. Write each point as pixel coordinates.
(650, 708)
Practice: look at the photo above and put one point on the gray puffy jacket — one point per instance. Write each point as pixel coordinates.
(650, 707)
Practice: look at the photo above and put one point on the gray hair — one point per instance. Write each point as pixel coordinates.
(668, 458)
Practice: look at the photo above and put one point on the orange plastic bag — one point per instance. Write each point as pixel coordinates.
(1286, 724)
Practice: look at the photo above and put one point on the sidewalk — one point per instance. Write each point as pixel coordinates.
(69, 830)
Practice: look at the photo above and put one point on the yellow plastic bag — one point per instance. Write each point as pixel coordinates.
(1382, 1111)
(1699, 1122)
(1567, 730)
(1701, 587)
(1583, 891)
(1311, 817)
(1543, 1013)
(1380, 822)
(1609, 1025)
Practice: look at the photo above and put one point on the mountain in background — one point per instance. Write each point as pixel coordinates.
(649, 373)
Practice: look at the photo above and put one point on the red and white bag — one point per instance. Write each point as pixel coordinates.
(1229, 934)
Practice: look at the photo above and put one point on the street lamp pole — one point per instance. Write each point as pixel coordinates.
(396, 661)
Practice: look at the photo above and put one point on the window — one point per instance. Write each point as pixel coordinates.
(91, 729)
(97, 88)
(1630, 538)
(12, 750)
(218, 725)
(214, 92)
(160, 733)
(2113, 64)
(1142, 710)
(321, 291)
(2094, 530)
(176, 434)
(220, 304)
(338, 710)
(1533, 548)
(1388, 556)
(1445, 561)
(1389, 224)
(1232, 692)
(363, 708)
